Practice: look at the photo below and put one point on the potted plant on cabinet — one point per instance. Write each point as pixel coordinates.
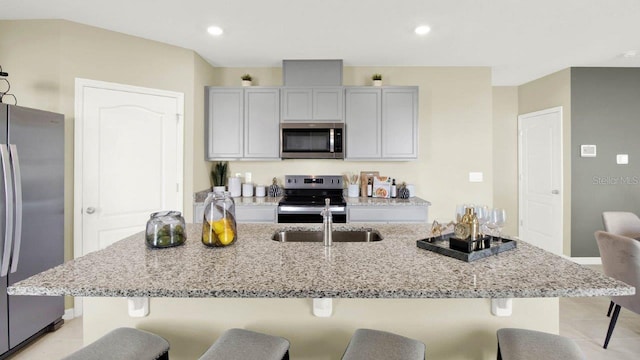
(246, 80)
(377, 79)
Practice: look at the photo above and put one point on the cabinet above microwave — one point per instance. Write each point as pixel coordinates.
(318, 103)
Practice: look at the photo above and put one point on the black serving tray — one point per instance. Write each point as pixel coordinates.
(443, 245)
(468, 245)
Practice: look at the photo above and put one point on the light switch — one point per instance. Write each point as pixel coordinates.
(475, 177)
(622, 159)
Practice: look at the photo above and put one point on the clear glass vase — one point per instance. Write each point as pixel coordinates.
(165, 229)
(219, 223)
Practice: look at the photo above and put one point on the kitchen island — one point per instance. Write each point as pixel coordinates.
(260, 284)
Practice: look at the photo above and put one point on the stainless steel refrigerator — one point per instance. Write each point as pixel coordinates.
(31, 219)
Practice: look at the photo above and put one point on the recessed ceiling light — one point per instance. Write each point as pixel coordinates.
(630, 53)
(215, 30)
(422, 30)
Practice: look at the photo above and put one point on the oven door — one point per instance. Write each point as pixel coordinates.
(309, 214)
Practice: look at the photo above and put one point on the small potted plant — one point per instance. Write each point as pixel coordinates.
(377, 79)
(219, 176)
(246, 80)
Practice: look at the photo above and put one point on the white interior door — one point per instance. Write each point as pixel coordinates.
(128, 151)
(540, 174)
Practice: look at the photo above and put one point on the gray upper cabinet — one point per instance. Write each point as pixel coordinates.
(363, 123)
(312, 104)
(381, 123)
(400, 123)
(242, 123)
(224, 125)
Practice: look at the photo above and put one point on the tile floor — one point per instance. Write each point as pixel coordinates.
(54, 345)
(582, 319)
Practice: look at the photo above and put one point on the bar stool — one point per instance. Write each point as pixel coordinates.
(367, 344)
(521, 344)
(124, 344)
(240, 344)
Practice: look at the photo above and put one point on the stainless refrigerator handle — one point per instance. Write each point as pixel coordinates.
(17, 185)
(8, 186)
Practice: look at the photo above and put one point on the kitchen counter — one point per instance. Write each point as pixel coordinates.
(257, 267)
(371, 201)
(196, 293)
(200, 196)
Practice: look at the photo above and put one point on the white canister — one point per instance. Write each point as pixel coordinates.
(235, 186)
(353, 190)
(260, 191)
(247, 190)
(412, 190)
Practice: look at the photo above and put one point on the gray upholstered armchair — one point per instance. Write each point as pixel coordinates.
(621, 223)
(620, 260)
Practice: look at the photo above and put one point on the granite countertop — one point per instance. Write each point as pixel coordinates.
(200, 196)
(256, 266)
(371, 201)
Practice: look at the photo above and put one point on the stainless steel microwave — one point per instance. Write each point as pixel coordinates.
(312, 141)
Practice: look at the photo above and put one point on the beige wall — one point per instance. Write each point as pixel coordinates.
(547, 92)
(455, 132)
(505, 153)
(203, 75)
(455, 114)
(43, 58)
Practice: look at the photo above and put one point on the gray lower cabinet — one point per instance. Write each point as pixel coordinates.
(262, 213)
(388, 214)
(381, 123)
(301, 104)
(242, 123)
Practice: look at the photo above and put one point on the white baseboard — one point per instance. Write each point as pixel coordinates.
(586, 260)
(68, 314)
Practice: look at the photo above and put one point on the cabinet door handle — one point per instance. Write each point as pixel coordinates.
(555, 192)
(90, 210)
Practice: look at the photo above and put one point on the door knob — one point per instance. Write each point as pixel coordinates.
(555, 192)
(90, 210)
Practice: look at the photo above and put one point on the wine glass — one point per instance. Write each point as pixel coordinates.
(482, 213)
(459, 212)
(498, 220)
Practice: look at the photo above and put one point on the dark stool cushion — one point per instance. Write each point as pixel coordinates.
(240, 344)
(521, 344)
(124, 344)
(367, 344)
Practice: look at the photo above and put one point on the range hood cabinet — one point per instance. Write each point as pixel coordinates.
(312, 72)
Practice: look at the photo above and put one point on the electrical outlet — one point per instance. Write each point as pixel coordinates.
(475, 177)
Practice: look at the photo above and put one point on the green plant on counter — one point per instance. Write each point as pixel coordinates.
(219, 173)
(376, 77)
(246, 77)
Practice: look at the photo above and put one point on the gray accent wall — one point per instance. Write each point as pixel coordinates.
(605, 112)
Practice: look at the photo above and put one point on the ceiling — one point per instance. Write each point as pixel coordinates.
(521, 40)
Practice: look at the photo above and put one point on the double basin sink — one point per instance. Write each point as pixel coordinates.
(360, 235)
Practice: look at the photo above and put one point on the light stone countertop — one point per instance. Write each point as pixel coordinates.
(371, 201)
(200, 196)
(257, 267)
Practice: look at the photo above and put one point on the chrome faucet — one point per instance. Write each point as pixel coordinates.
(327, 223)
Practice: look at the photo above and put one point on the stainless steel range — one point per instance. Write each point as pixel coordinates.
(304, 197)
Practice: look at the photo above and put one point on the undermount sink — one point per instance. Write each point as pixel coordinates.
(366, 235)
